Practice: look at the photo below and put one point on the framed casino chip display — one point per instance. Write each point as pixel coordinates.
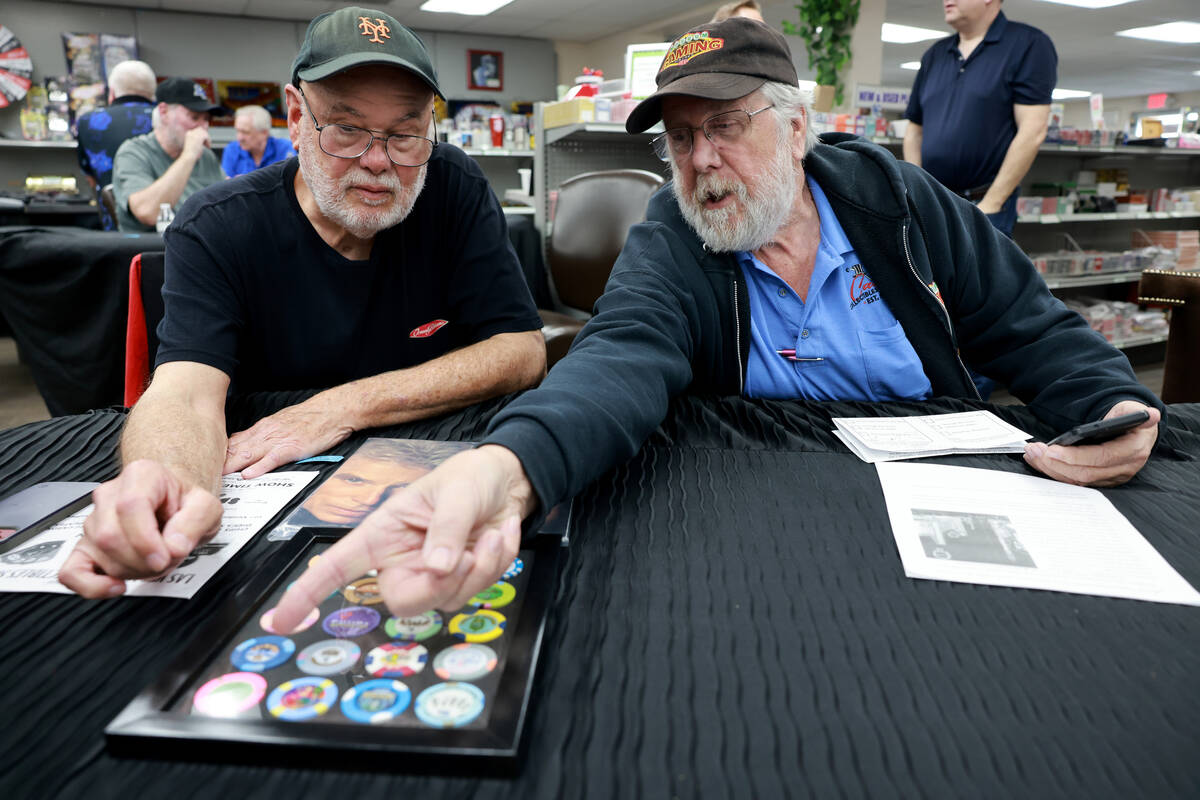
(353, 685)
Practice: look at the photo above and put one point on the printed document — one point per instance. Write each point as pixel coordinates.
(875, 439)
(1004, 529)
(248, 506)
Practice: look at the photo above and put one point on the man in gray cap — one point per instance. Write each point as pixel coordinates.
(169, 164)
(773, 266)
(375, 267)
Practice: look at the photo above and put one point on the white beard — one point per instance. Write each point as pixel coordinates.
(762, 214)
(361, 220)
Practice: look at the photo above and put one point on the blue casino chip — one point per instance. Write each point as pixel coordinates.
(376, 701)
(514, 569)
(449, 705)
(262, 653)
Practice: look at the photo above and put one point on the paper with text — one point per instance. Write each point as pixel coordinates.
(248, 506)
(1005, 529)
(875, 439)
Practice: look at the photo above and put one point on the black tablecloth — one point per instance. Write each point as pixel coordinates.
(732, 620)
(65, 295)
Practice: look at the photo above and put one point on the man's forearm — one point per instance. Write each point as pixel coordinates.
(913, 135)
(170, 431)
(143, 204)
(505, 363)
(1022, 150)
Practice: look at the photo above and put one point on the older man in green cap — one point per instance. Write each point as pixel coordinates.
(375, 267)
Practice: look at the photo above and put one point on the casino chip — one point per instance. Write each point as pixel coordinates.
(352, 621)
(482, 626)
(514, 569)
(498, 595)
(376, 701)
(414, 629)
(328, 657)
(449, 705)
(396, 660)
(230, 694)
(267, 621)
(262, 653)
(464, 662)
(364, 591)
(302, 698)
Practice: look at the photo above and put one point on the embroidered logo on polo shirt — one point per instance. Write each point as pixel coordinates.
(862, 288)
(374, 29)
(688, 47)
(428, 329)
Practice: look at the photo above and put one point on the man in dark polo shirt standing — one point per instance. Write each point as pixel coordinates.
(979, 106)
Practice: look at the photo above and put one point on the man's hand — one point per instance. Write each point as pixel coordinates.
(296, 432)
(436, 544)
(145, 521)
(988, 207)
(1110, 463)
(195, 142)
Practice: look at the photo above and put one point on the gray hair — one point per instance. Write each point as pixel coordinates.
(791, 102)
(258, 116)
(132, 77)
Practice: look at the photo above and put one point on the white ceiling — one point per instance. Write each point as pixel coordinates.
(1090, 57)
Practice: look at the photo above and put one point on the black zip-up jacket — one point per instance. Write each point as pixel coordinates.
(675, 317)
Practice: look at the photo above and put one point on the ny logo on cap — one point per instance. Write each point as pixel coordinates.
(374, 29)
(198, 90)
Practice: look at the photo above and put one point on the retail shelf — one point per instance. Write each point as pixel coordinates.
(1091, 279)
(22, 144)
(1139, 340)
(1081, 149)
(596, 131)
(497, 152)
(1112, 216)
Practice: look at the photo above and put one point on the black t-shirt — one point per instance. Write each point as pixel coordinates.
(251, 289)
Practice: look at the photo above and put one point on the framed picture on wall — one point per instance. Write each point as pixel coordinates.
(485, 70)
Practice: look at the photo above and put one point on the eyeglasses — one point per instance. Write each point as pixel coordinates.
(722, 130)
(348, 141)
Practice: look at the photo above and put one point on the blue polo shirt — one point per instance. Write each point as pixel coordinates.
(853, 347)
(236, 161)
(965, 107)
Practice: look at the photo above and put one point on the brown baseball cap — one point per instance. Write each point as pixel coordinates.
(717, 61)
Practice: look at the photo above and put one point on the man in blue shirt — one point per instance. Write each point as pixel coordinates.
(980, 105)
(773, 265)
(255, 146)
(101, 132)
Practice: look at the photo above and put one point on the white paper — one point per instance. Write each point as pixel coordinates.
(876, 439)
(248, 506)
(1005, 529)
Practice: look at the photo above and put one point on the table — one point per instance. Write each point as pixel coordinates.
(732, 620)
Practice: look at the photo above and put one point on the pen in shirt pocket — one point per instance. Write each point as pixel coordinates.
(790, 355)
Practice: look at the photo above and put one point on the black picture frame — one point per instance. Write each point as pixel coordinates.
(153, 724)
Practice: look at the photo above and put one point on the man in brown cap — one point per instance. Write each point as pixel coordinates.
(774, 265)
(375, 267)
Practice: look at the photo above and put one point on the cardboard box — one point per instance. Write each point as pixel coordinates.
(569, 112)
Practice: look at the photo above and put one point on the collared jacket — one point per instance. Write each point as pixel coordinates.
(675, 317)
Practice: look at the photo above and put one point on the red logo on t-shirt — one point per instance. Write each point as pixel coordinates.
(428, 329)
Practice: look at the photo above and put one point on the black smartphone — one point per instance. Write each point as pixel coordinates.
(37, 507)
(1101, 430)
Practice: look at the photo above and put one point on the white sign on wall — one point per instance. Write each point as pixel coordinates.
(888, 98)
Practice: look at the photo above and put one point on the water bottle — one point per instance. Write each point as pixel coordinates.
(165, 215)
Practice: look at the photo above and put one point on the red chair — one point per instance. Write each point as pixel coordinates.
(141, 327)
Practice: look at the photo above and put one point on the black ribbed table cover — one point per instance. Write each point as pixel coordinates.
(732, 620)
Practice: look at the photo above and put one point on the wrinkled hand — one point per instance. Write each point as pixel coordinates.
(145, 521)
(1109, 463)
(195, 142)
(436, 544)
(289, 435)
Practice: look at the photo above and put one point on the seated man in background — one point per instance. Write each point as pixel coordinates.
(773, 266)
(255, 146)
(101, 132)
(374, 266)
(169, 164)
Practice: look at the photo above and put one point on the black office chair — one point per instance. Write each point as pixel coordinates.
(591, 220)
(1179, 291)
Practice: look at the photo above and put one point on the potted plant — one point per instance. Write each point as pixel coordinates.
(825, 27)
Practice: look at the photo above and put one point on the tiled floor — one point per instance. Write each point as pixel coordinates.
(21, 403)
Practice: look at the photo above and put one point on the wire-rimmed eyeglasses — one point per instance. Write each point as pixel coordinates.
(348, 141)
(722, 130)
